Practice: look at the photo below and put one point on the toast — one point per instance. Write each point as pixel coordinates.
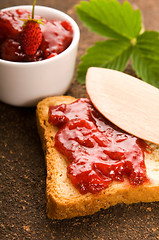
(63, 199)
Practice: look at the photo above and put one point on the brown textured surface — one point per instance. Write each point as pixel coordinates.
(23, 173)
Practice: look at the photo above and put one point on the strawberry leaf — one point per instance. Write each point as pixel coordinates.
(109, 18)
(146, 57)
(112, 54)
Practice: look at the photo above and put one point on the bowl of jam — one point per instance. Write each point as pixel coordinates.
(26, 79)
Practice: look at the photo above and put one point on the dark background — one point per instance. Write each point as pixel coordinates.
(23, 172)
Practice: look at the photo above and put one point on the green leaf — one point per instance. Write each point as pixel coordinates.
(112, 54)
(111, 19)
(146, 57)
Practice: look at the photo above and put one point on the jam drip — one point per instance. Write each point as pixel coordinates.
(98, 152)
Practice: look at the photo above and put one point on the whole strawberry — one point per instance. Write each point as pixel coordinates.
(31, 35)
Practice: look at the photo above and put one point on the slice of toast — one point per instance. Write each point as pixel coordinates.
(63, 199)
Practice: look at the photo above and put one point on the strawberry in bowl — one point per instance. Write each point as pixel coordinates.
(26, 38)
(34, 51)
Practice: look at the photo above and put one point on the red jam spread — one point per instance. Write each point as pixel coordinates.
(57, 36)
(98, 152)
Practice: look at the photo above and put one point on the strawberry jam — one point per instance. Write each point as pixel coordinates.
(98, 152)
(57, 36)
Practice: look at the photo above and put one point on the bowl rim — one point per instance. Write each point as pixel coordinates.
(74, 43)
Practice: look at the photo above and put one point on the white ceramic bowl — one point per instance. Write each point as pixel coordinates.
(24, 84)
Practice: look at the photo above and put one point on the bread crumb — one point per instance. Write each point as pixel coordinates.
(149, 209)
(27, 228)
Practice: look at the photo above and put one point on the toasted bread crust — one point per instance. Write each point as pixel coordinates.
(63, 200)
